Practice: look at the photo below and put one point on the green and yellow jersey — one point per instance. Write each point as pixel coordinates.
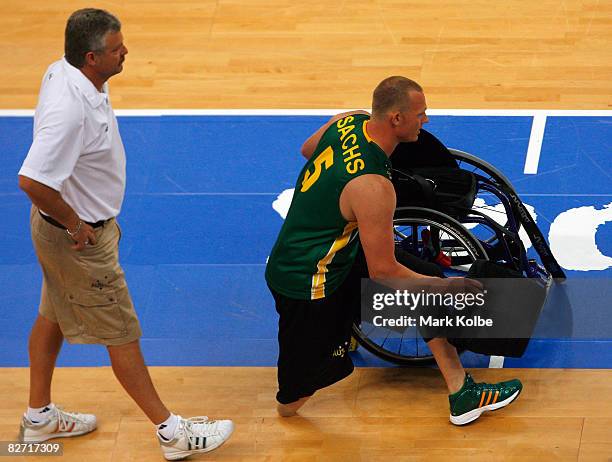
(316, 246)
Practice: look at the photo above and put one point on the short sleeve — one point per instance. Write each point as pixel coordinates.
(57, 144)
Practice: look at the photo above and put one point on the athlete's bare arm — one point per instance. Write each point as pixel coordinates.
(309, 146)
(370, 200)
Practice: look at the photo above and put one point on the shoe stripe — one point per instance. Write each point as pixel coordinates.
(71, 427)
(203, 442)
(482, 395)
(489, 397)
(495, 398)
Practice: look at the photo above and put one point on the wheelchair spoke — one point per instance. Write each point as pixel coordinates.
(411, 345)
(466, 164)
(370, 331)
(490, 209)
(385, 340)
(399, 351)
(399, 233)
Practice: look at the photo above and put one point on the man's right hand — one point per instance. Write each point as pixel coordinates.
(50, 201)
(85, 236)
(463, 285)
(309, 146)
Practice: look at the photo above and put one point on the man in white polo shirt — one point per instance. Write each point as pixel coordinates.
(74, 174)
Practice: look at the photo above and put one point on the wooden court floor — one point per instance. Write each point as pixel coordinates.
(374, 415)
(550, 54)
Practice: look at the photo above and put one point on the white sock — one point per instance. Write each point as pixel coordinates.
(168, 427)
(40, 414)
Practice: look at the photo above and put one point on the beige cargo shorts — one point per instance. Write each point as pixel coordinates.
(84, 292)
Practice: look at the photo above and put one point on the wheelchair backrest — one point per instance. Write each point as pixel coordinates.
(425, 174)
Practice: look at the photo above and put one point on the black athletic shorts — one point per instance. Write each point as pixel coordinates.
(313, 339)
(314, 335)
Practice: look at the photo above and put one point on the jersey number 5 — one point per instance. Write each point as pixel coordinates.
(325, 159)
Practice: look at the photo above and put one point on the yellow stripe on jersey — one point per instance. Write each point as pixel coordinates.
(365, 131)
(318, 279)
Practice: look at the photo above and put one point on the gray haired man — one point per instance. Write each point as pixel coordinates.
(74, 174)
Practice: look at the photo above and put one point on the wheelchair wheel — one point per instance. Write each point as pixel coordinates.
(496, 206)
(490, 200)
(500, 232)
(417, 231)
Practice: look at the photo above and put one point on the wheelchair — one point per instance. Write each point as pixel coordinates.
(454, 209)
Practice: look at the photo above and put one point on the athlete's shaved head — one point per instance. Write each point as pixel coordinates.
(392, 94)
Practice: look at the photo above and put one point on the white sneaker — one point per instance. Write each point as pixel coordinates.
(60, 424)
(195, 435)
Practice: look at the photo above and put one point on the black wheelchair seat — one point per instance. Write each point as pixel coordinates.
(425, 174)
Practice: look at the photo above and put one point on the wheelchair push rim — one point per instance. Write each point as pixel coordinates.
(409, 348)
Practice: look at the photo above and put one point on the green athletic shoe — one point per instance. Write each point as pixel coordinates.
(475, 398)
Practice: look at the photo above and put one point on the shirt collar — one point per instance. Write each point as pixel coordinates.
(87, 88)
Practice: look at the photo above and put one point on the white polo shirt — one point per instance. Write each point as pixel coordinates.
(77, 149)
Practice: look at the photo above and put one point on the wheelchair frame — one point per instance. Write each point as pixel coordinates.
(455, 233)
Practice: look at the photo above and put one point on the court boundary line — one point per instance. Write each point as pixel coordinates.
(532, 157)
(496, 362)
(536, 138)
(247, 193)
(325, 112)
